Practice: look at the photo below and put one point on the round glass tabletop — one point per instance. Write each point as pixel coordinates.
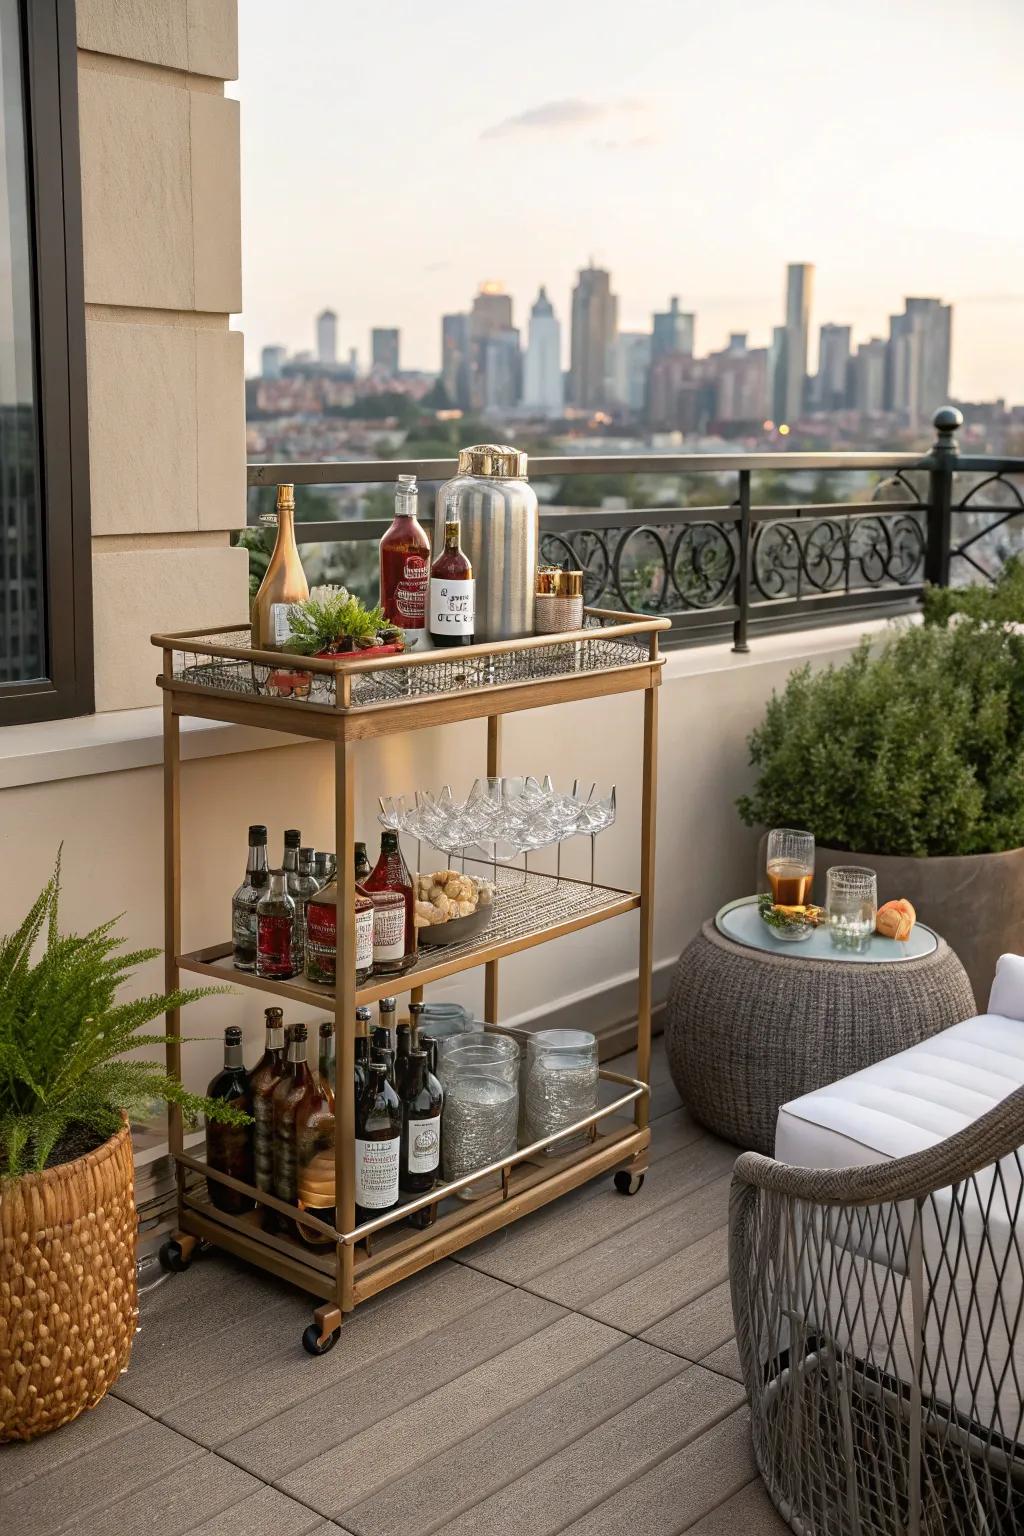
(741, 922)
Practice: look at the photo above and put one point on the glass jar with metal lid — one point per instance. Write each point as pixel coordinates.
(500, 523)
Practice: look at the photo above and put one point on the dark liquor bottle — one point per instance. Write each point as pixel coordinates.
(263, 1079)
(429, 1044)
(229, 1147)
(403, 1046)
(326, 1065)
(405, 565)
(387, 1012)
(296, 1084)
(452, 588)
(363, 870)
(298, 866)
(362, 1049)
(420, 1153)
(245, 899)
(378, 1139)
(394, 932)
(275, 926)
(314, 1145)
(380, 1050)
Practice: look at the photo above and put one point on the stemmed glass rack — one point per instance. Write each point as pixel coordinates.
(218, 675)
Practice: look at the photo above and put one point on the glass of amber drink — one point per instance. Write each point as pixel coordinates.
(790, 866)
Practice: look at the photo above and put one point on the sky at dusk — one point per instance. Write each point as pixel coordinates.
(396, 155)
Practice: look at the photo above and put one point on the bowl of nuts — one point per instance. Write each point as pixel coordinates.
(450, 907)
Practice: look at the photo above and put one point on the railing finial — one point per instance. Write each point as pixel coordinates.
(947, 421)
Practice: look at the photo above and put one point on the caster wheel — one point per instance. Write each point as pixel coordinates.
(312, 1344)
(628, 1183)
(172, 1258)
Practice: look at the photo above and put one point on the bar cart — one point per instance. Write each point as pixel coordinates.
(342, 700)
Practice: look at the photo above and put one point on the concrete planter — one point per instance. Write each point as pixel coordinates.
(975, 902)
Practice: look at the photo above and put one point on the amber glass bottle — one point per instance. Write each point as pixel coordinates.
(284, 583)
(229, 1147)
(263, 1079)
(297, 1083)
(452, 589)
(314, 1145)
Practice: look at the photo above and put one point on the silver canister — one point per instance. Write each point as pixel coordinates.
(500, 535)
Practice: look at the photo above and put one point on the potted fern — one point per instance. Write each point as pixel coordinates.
(67, 1210)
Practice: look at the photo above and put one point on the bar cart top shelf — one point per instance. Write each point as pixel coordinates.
(218, 675)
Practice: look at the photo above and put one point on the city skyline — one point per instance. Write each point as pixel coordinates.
(877, 144)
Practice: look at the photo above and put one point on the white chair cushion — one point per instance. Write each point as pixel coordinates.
(1007, 995)
(909, 1101)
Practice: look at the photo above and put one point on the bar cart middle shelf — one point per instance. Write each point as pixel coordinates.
(218, 675)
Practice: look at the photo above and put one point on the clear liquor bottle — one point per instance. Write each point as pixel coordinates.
(275, 924)
(420, 1152)
(246, 899)
(229, 1147)
(302, 885)
(378, 1139)
(405, 565)
(263, 1079)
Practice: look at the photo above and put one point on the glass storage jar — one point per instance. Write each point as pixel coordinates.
(561, 1086)
(481, 1109)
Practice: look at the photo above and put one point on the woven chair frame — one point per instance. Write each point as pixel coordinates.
(879, 1320)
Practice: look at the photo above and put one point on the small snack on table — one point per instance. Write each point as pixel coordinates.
(789, 922)
(445, 896)
(895, 919)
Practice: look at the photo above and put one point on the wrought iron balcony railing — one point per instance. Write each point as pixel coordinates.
(739, 564)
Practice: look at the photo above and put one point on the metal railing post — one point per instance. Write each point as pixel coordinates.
(739, 633)
(942, 459)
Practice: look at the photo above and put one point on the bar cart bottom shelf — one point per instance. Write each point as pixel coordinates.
(402, 1250)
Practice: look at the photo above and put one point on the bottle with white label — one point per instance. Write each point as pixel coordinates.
(284, 582)
(422, 1102)
(378, 1139)
(452, 599)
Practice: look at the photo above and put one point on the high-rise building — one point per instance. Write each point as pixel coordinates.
(833, 366)
(542, 369)
(594, 324)
(327, 338)
(272, 361)
(867, 376)
(777, 374)
(679, 398)
(501, 372)
(799, 289)
(384, 343)
(672, 331)
(489, 317)
(632, 364)
(920, 343)
(739, 378)
(455, 359)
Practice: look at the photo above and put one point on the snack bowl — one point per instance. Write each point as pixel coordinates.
(457, 930)
(451, 907)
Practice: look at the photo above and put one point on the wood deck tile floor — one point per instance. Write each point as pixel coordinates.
(576, 1372)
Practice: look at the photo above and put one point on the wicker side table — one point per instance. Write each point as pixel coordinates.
(748, 1030)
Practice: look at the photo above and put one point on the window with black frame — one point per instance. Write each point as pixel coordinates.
(45, 614)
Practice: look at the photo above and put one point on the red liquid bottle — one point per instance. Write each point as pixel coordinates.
(391, 873)
(405, 565)
(452, 589)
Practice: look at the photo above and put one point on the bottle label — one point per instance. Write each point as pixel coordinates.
(388, 931)
(377, 1174)
(280, 627)
(410, 600)
(452, 606)
(243, 924)
(274, 944)
(424, 1145)
(364, 939)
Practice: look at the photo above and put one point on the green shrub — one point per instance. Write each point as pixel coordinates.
(918, 749)
(998, 602)
(62, 1037)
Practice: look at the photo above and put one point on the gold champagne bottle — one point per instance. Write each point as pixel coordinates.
(284, 583)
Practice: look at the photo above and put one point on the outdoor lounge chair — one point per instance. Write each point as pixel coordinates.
(877, 1271)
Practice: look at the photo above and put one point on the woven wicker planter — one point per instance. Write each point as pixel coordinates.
(975, 901)
(68, 1300)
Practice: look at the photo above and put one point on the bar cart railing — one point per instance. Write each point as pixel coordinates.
(217, 675)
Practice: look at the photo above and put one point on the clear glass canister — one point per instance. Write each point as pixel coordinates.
(481, 1109)
(445, 1020)
(562, 1080)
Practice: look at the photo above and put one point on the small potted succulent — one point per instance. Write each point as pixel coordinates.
(333, 622)
(68, 1307)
